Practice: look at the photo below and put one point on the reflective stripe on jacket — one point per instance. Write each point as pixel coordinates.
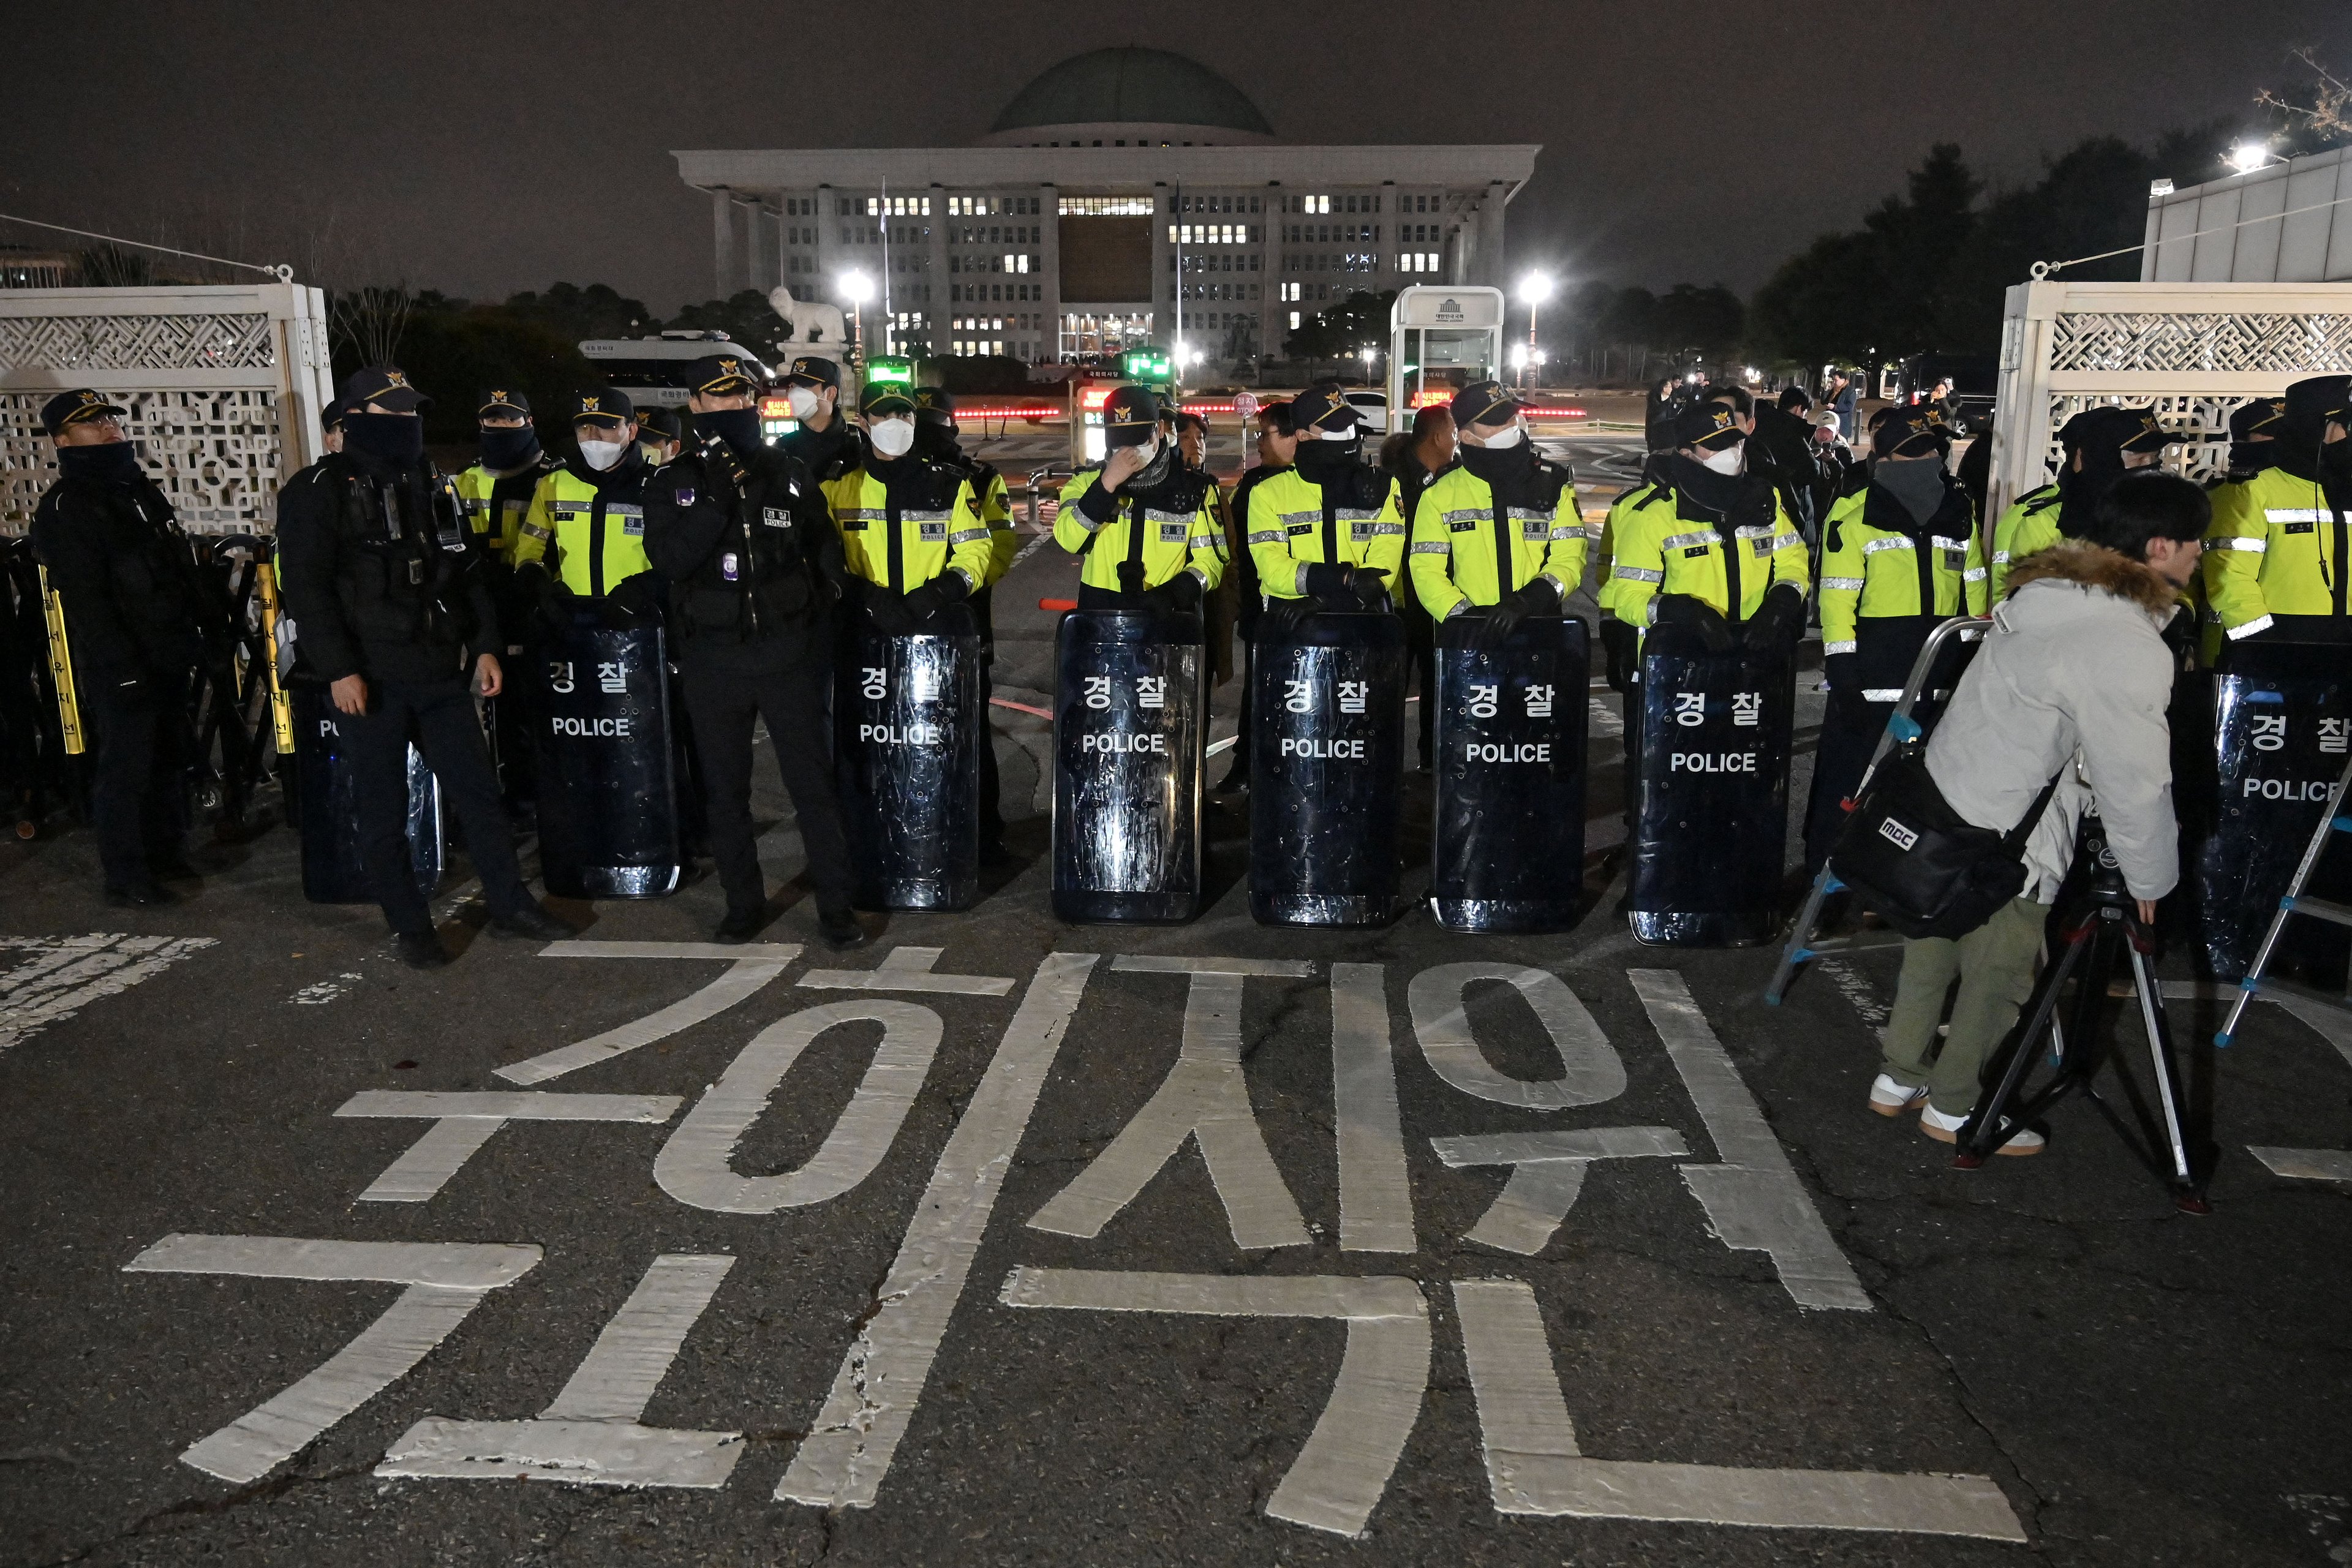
(1181, 532)
(1658, 549)
(1458, 539)
(938, 528)
(591, 536)
(2276, 548)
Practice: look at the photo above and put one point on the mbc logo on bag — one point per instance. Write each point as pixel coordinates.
(1895, 833)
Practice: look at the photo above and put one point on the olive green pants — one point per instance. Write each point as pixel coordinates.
(1994, 964)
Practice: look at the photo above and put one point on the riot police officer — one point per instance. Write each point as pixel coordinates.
(1327, 533)
(910, 529)
(1900, 558)
(2254, 439)
(381, 577)
(660, 436)
(497, 487)
(585, 533)
(1142, 524)
(1497, 534)
(2277, 556)
(936, 441)
(118, 562)
(739, 530)
(2100, 444)
(824, 440)
(1710, 546)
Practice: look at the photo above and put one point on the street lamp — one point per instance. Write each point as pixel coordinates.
(2248, 156)
(856, 288)
(1367, 353)
(1535, 289)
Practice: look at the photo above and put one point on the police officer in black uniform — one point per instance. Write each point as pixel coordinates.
(391, 609)
(824, 440)
(134, 619)
(741, 532)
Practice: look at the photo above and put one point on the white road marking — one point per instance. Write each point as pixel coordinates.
(847, 1453)
(592, 1435)
(750, 967)
(66, 973)
(1547, 1172)
(1205, 1097)
(1858, 990)
(463, 1123)
(1605, 722)
(446, 1281)
(694, 1165)
(1375, 1192)
(1753, 1199)
(908, 969)
(1347, 1459)
(1533, 1466)
(1591, 1070)
(325, 991)
(2306, 1164)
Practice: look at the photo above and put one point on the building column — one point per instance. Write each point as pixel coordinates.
(828, 242)
(1487, 259)
(1163, 282)
(722, 242)
(1049, 268)
(1272, 311)
(763, 247)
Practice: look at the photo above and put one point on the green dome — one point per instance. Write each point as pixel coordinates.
(1131, 86)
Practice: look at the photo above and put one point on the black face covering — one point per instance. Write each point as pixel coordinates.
(2248, 458)
(116, 462)
(506, 450)
(935, 443)
(1711, 490)
(396, 440)
(738, 427)
(1321, 461)
(1920, 486)
(2336, 462)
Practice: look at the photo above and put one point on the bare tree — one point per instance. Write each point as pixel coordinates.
(2329, 112)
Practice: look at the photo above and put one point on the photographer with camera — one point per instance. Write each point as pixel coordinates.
(2065, 703)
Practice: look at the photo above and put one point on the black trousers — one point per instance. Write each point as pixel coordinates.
(139, 787)
(1850, 730)
(722, 704)
(439, 717)
(991, 789)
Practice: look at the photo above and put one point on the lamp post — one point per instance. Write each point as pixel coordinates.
(1535, 289)
(1367, 353)
(856, 288)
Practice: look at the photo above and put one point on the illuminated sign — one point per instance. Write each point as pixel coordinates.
(898, 370)
(1146, 364)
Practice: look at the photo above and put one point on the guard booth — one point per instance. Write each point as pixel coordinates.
(1149, 367)
(1440, 341)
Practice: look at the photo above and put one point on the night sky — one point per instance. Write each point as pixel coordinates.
(485, 148)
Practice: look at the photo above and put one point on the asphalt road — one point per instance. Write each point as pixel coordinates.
(1008, 1242)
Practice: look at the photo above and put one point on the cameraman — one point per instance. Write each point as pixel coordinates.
(2072, 680)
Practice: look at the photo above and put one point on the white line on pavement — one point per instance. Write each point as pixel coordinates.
(1591, 1070)
(1547, 1172)
(68, 974)
(463, 1123)
(748, 968)
(1375, 1190)
(909, 969)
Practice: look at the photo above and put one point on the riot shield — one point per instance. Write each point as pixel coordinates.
(1711, 810)
(1508, 850)
(608, 824)
(331, 872)
(2283, 727)
(1328, 744)
(1127, 710)
(908, 726)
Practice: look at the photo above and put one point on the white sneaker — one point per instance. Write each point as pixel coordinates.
(1946, 1129)
(1889, 1097)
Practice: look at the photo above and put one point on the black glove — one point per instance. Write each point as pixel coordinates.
(1372, 593)
(637, 600)
(1130, 576)
(1180, 593)
(1618, 643)
(1280, 619)
(1327, 585)
(1696, 616)
(1538, 598)
(1844, 672)
(550, 600)
(917, 605)
(887, 611)
(1778, 621)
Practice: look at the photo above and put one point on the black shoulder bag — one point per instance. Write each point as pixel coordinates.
(1918, 864)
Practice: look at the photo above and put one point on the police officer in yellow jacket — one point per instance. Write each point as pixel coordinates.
(1899, 558)
(1498, 531)
(1330, 534)
(2099, 446)
(585, 533)
(497, 489)
(910, 529)
(936, 441)
(1144, 525)
(2277, 558)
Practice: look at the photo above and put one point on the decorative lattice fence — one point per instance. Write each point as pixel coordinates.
(225, 386)
(2194, 351)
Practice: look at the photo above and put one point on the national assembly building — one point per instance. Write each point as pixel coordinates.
(1125, 196)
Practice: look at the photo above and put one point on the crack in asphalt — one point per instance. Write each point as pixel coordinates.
(263, 1490)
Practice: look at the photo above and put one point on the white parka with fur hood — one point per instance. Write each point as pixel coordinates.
(2074, 674)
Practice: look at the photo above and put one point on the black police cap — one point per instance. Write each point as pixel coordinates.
(934, 406)
(2259, 415)
(2111, 429)
(886, 399)
(719, 375)
(2314, 400)
(660, 422)
(73, 408)
(1486, 403)
(501, 400)
(1708, 425)
(602, 405)
(1130, 414)
(1911, 432)
(813, 370)
(386, 386)
(1323, 406)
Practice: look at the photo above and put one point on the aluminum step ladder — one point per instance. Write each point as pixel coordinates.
(1901, 730)
(2296, 902)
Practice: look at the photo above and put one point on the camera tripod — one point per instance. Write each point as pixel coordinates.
(2100, 919)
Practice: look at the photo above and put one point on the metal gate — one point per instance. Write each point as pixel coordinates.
(225, 385)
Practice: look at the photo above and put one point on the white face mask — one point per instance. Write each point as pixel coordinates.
(603, 455)
(804, 401)
(1510, 436)
(1727, 461)
(892, 437)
